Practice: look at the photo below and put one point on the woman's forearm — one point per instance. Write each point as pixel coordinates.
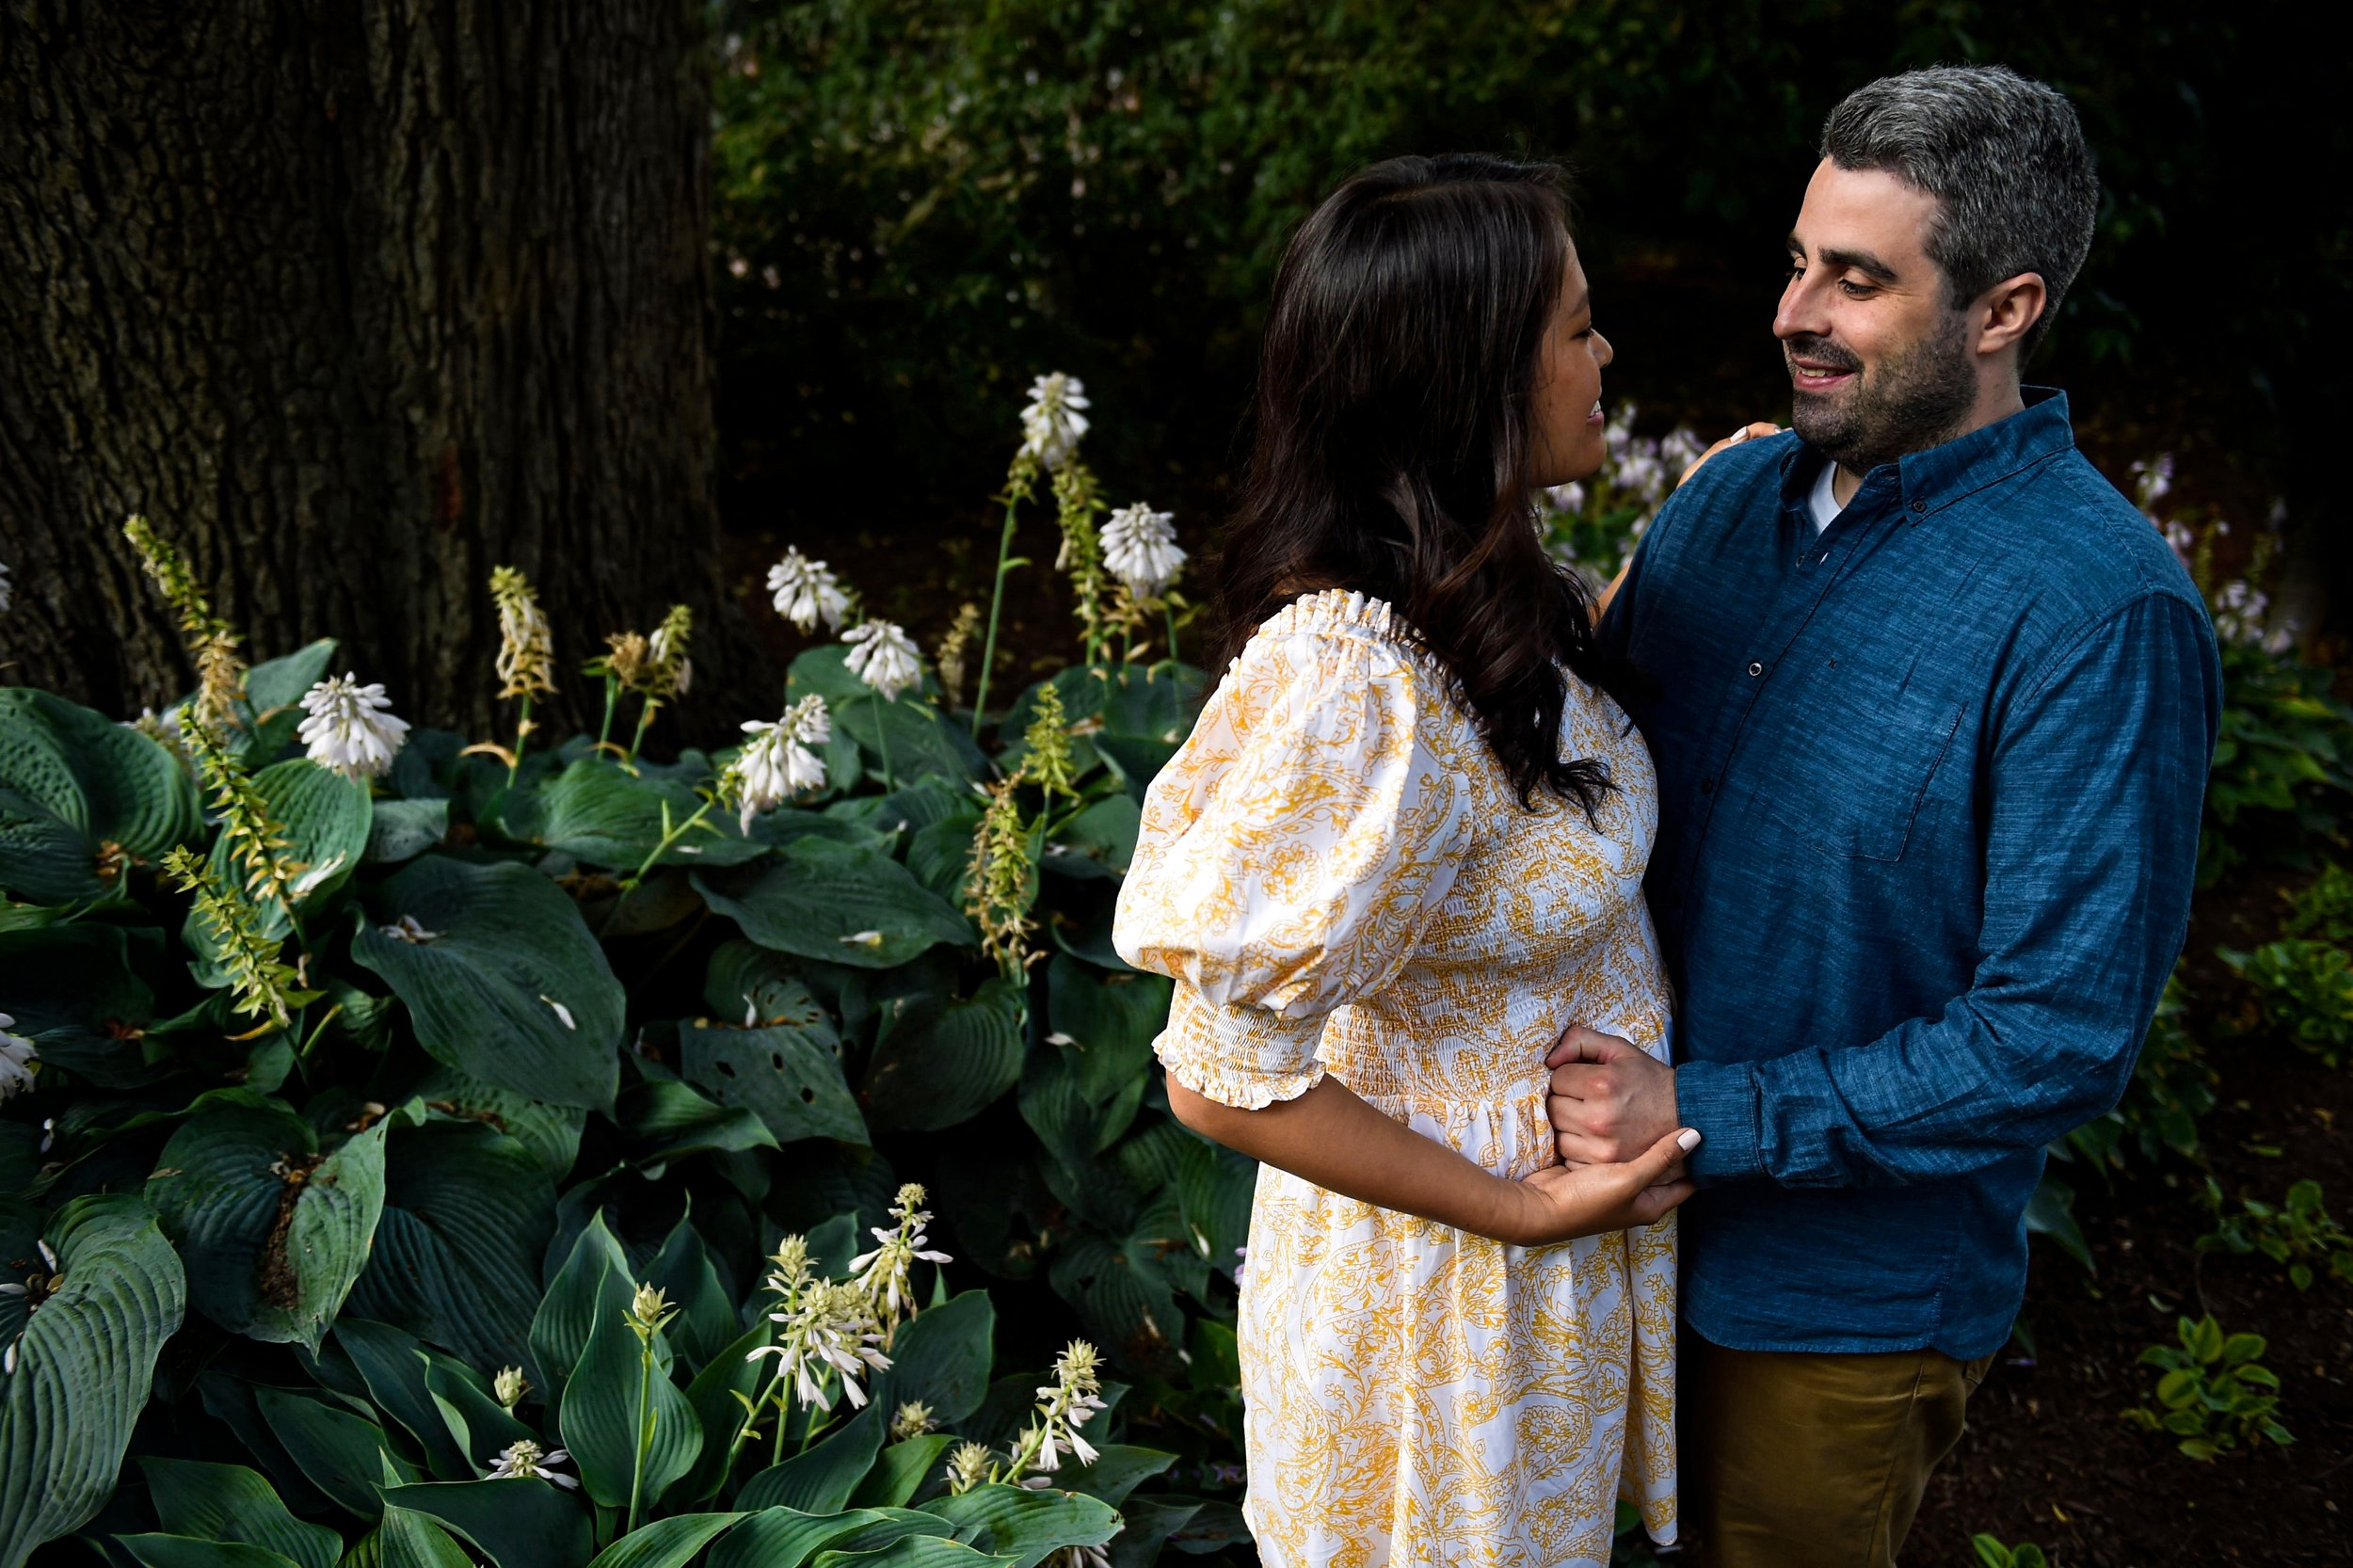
(1332, 1138)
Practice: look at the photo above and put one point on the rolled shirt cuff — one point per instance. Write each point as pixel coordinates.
(1239, 1055)
(1725, 1102)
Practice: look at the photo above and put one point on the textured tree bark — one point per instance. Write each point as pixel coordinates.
(355, 299)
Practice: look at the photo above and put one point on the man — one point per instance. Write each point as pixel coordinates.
(1933, 707)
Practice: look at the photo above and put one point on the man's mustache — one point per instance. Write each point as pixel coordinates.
(1819, 351)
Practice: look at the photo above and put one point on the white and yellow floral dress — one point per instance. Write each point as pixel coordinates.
(1340, 879)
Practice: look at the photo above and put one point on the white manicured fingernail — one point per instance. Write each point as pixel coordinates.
(1739, 435)
(1688, 1140)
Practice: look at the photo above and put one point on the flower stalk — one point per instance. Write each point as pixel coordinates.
(526, 660)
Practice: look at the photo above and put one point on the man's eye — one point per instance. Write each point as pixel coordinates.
(1855, 290)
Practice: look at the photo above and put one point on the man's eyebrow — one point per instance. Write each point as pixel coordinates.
(1863, 261)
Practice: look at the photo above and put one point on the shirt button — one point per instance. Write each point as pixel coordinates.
(1708, 786)
(1756, 670)
(1919, 507)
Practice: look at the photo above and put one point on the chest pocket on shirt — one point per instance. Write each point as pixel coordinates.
(1880, 748)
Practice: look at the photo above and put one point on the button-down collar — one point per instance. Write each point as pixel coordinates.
(1925, 482)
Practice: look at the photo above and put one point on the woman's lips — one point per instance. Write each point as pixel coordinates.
(1594, 418)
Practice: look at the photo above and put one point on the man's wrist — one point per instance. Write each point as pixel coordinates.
(1724, 1101)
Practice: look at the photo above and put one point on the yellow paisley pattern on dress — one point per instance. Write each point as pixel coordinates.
(1340, 879)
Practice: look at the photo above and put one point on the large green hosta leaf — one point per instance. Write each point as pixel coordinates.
(1027, 1524)
(273, 1234)
(505, 983)
(521, 1523)
(467, 1213)
(594, 811)
(601, 1415)
(72, 992)
(788, 1071)
(941, 1357)
(274, 689)
(325, 817)
(73, 782)
(83, 1367)
(937, 1065)
(839, 903)
(229, 1502)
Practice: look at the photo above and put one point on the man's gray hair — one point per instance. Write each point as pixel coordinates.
(2005, 157)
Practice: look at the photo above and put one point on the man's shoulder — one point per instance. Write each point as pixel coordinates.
(1738, 483)
(2085, 549)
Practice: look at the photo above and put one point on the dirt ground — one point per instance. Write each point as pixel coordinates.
(2047, 1457)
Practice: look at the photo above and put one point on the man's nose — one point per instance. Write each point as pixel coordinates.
(1801, 314)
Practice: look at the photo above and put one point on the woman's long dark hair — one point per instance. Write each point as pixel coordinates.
(1396, 395)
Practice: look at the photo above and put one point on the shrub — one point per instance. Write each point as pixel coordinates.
(2303, 990)
(2323, 909)
(2214, 1392)
(2297, 1234)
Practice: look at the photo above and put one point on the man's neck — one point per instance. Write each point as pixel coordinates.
(1997, 399)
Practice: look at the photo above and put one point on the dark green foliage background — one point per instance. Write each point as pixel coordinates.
(921, 206)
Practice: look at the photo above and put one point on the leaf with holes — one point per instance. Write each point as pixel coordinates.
(79, 793)
(788, 1074)
(507, 985)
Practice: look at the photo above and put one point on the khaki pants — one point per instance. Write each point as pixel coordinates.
(1806, 1460)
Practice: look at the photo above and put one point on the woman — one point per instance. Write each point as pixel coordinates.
(1401, 853)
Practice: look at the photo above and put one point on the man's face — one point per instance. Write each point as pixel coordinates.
(1880, 364)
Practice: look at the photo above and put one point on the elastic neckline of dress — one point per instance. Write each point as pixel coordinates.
(1344, 610)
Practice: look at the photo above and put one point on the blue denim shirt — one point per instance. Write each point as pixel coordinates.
(1929, 785)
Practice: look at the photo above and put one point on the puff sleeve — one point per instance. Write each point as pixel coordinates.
(1290, 855)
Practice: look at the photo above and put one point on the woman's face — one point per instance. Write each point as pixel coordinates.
(1565, 441)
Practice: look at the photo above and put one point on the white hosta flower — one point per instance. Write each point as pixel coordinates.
(19, 1056)
(1052, 424)
(826, 1325)
(351, 730)
(886, 1274)
(525, 1459)
(1140, 546)
(1567, 498)
(806, 592)
(780, 761)
(510, 1386)
(884, 656)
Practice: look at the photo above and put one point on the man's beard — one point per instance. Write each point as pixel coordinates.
(1916, 398)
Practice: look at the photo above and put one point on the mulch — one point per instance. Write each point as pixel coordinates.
(2048, 1457)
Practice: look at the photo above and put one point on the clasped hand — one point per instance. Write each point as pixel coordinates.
(1613, 1109)
(1611, 1100)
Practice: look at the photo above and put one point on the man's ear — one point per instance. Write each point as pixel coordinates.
(2011, 308)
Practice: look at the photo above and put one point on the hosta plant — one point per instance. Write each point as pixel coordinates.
(2213, 1391)
(2297, 1233)
(427, 1148)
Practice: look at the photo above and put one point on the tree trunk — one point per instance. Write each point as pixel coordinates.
(355, 300)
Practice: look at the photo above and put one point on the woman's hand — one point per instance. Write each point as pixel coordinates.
(1561, 1202)
(1746, 432)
